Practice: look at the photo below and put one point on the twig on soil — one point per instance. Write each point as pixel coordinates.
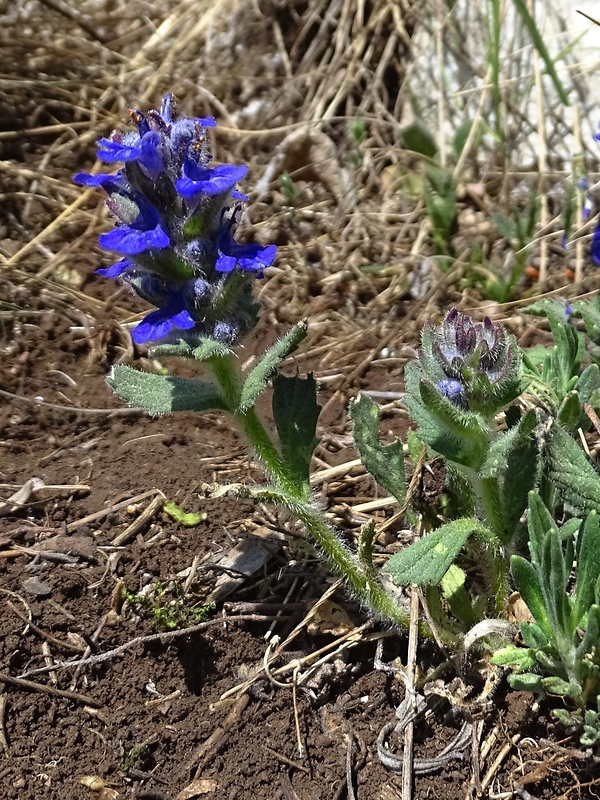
(349, 754)
(521, 792)
(140, 523)
(91, 647)
(411, 661)
(31, 686)
(22, 600)
(111, 509)
(301, 748)
(48, 637)
(3, 736)
(162, 638)
(474, 788)
(315, 659)
(286, 760)
(593, 417)
(58, 407)
(323, 475)
(47, 653)
(497, 763)
(217, 739)
(287, 788)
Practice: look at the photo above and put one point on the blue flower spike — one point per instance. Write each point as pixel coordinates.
(176, 217)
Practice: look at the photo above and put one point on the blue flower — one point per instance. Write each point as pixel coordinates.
(166, 114)
(110, 183)
(595, 246)
(116, 270)
(248, 257)
(202, 180)
(161, 322)
(144, 150)
(145, 232)
(175, 221)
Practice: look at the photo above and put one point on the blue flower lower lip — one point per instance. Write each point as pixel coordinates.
(595, 248)
(115, 270)
(202, 180)
(132, 241)
(161, 322)
(249, 257)
(106, 182)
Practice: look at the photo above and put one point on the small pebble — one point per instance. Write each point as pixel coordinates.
(37, 587)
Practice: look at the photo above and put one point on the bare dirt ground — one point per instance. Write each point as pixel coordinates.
(106, 694)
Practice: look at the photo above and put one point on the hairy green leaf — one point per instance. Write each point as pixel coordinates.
(555, 591)
(506, 227)
(520, 659)
(571, 472)
(296, 412)
(418, 138)
(526, 682)
(209, 348)
(163, 394)
(384, 462)
(533, 636)
(427, 560)
(588, 565)
(527, 584)
(539, 522)
(560, 687)
(256, 381)
(459, 600)
(366, 540)
(514, 457)
(591, 637)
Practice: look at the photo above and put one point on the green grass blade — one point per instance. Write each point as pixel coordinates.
(529, 23)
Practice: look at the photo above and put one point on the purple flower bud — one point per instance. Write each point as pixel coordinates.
(453, 390)
(196, 291)
(225, 332)
(474, 364)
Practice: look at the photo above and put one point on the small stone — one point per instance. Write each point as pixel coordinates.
(37, 587)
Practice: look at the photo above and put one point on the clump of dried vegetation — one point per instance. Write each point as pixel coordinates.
(334, 105)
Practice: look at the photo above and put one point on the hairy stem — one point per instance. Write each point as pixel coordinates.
(365, 586)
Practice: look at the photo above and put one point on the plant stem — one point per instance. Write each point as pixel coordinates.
(266, 452)
(366, 587)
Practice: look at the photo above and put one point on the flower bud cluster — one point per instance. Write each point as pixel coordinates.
(176, 220)
(475, 365)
